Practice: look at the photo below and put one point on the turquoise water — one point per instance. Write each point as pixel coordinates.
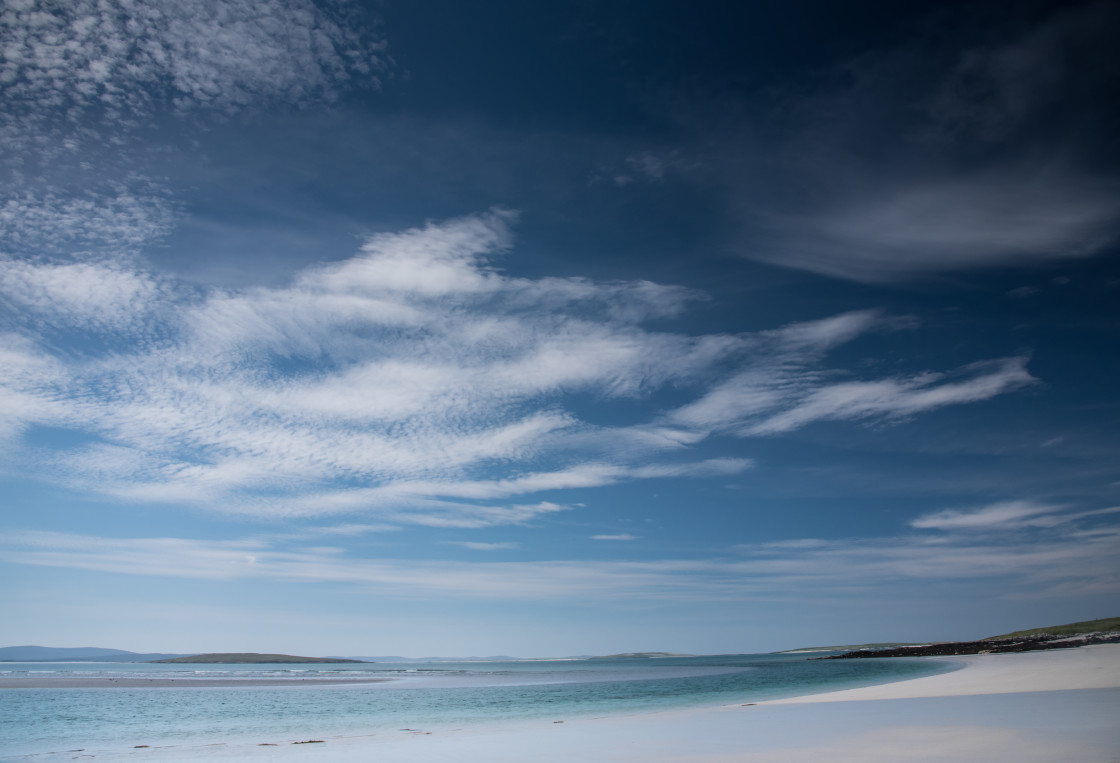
(418, 696)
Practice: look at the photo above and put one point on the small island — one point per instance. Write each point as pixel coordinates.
(640, 656)
(249, 658)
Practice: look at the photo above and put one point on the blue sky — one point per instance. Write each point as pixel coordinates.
(432, 328)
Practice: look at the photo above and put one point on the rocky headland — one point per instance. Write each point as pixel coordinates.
(1032, 643)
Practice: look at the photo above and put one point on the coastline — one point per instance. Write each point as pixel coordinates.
(1014, 672)
(1036, 706)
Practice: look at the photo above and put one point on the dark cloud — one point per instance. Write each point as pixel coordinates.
(944, 152)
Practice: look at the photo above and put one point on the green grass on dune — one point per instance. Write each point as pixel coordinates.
(1069, 629)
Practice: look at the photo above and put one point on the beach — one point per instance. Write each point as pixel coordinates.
(1038, 706)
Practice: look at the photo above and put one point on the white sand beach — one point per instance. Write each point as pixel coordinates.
(1059, 705)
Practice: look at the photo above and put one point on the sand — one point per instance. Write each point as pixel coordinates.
(1030, 707)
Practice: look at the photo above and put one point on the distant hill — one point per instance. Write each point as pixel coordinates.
(77, 654)
(248, 658)
(639, 655)
(1069, 629)
(398, 658)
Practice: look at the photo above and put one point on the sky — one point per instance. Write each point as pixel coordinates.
(437, 328)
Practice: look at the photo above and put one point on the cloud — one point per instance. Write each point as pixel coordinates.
(1034, 568)
(99, 296)
(479, 546)
(23, 370)
(790, 354)
(84, 82)
(818, 336)
(1004, 515)
(231, 560)
(649, 167)
(432, 262)
(1065, 562)
(1022, 549)
(119, 57)
(349, 529)
(414, 382)
(892, 398)
(116, 217)
(992, 91)
(787, 393)
(938, 155)
(1010, 216)
(621, 536)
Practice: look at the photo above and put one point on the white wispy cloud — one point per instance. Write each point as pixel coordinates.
(24, 369)
(1034, 567)
(351, 528)
(789, 391)
(1005, 515)
(1080, 561)
(482, 546)
(620, 536)
(898, 397)
(933, 223)
(414, 381)
(786, 365)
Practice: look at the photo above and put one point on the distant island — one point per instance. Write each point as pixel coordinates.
(639, 655)
(249, 658)
(29, 653)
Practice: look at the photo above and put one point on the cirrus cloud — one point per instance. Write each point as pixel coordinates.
(1073, 562)
(415, 381)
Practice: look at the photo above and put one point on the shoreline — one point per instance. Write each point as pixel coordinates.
(1034, 707)
(1073, 669)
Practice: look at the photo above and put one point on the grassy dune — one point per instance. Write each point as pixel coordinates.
(1069, 629)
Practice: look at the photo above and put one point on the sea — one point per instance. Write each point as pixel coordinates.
(417, 697)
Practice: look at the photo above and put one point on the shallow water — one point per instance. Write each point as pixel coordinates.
(419, 696)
